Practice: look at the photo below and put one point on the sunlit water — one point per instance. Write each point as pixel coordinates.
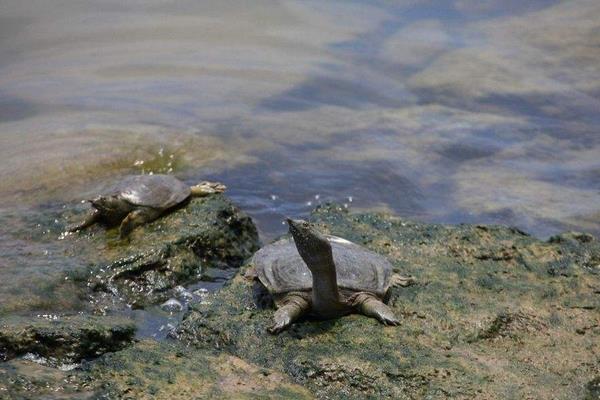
(442, 111)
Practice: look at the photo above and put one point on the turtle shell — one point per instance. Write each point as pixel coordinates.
(156, 191)
(280, 268)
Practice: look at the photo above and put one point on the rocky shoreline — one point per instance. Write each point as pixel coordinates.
(494, 313)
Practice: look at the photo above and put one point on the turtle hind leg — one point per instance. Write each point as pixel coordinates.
(371, 306)
(91, 218)
(294, 306)
(136, 218)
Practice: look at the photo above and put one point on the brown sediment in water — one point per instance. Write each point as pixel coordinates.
(66, 166)
(510, 56)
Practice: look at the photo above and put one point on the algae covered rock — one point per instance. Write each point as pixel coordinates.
(167, 371)
(151, 370)
(23, 379)
(495, 313)
(63, 339)
(178, 248)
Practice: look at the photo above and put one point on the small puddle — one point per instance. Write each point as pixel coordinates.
(154, 322)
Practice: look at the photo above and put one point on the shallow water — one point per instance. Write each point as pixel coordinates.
(453, 111)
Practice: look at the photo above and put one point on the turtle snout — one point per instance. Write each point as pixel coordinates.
(293, 224)
(289, 221)
(96, 201)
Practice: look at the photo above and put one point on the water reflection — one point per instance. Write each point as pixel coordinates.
(14, 109)
(317, 92)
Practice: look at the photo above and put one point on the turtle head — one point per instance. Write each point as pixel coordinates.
(314, 248)
(205, 188)
(107, 204)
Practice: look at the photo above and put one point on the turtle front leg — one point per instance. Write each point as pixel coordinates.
(293, 308)
(402, 281)
(91, 218)
(136, 218)
(371, 306)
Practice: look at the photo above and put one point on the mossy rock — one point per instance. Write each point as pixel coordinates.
(176, 249)
(495, 313)
(151, 370)
(25, 380)
(64, 339)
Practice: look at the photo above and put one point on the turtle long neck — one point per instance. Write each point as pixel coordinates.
(317, 253)
(326, 302)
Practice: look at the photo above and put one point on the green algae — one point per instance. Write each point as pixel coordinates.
(478, 323)
(173, 371)
(177, 249)
(56, 271)
(63, 339)
(486, 318)
(151, 370)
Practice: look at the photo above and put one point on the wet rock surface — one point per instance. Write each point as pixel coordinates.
(46, 269)
(178, 248)
(151, 370)
(170, 371)
(495, 313)
(22, 379)
(96, 356)
(63, 339)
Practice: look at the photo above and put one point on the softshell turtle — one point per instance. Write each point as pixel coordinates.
(323, 276)
(139, 199)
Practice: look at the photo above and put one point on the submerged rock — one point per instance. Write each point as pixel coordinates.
(495, 313)
(176, 249)
(63, 339)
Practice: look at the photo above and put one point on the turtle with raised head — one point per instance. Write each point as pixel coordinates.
(139, 199)
(323, 276)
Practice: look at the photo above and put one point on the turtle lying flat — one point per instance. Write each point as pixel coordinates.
(323, 276)
(139, 199)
